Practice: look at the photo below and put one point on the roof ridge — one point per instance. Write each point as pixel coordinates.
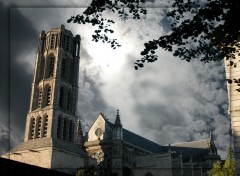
(191, 141)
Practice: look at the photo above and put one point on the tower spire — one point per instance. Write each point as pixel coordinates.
(118, 121)
(79, 134)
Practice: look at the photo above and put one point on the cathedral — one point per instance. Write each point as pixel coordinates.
(53, 134)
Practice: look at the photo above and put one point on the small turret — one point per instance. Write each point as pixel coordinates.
(79, 133)
(117, 130)
(117, 120)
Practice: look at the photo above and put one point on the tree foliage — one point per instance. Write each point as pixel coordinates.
(227, 169)
(93, 15)
(208, 29)
(87, 171)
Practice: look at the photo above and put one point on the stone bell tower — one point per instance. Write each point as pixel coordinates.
(52, 111)
(51, 135)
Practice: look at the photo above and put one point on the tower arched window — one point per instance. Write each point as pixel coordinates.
(32, 128)
(56, 42)
(71, 72)
(61, 97)
(63, 69)
(51, 66)
(69, 103)
(47, 95)
(67, 43)
(45, 126)
(71, 131)
(40, 97)
(59, 127)
(52, 41)
(65, 130)
(39, 127)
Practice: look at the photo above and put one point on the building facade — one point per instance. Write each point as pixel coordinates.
(232, 68)
(53, 136)
(121, 152)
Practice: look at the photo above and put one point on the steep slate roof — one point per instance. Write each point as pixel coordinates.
(48, 142)
(141, 142)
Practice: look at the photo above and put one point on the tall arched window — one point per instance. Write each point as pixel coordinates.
(32, 128)
(45, 126)
(40, 97)
(59, 127)
(71, 72)
(52, 41)
(61, 97)
(48, 95)
(71, 131)
(56, 41)
(39, 127)
(63, 69)
(65, 130)
(51, 66)
(69, 103)
(67, 43)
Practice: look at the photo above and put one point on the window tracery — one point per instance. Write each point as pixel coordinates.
(45, 126)
(39, 126)
(32, 127)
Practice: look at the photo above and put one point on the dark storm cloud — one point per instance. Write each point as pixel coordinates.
(16, 81)
(4, 66)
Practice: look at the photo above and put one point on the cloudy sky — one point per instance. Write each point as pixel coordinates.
(167, 101)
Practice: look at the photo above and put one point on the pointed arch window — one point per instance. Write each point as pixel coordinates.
(39, 126)
(45, 126)
(40, 97)
(67, 43)
(69, 104)
(63, 69)
(59, 127)
(72, 75)
(51, 66)
(61, 97)
(32, 128)
(48, 95)
(65, 129)
(52, 41)
(71, 131)
(56, 41)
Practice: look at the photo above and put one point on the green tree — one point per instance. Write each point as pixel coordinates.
(87, 171)
(229, 164)
(217, 169)
(227, 169)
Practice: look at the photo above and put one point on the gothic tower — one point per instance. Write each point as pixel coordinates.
(53, 101)
(232, 67)
(52, 136)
